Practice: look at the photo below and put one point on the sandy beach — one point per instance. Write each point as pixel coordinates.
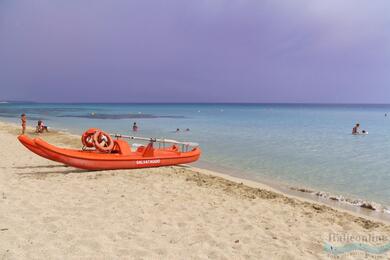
(50, 211)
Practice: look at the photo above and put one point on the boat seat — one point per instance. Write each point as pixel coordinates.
(148, 151)
(122, 147)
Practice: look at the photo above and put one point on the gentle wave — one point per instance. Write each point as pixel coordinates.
(370, 205)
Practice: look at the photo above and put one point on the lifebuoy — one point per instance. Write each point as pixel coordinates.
(87, 137)
(103, 141)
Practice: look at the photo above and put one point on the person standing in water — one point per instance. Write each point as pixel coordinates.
(135, 127)
(24, 121)
(355, 130)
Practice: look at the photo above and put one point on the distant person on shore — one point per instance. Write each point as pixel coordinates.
(41, 127)
(355, 130)
(135, 127)
(177, 130)
(187, 130)
(24, 121)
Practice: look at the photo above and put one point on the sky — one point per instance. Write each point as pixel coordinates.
(296, 51)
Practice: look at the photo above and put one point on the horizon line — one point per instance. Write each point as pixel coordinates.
(194, 103)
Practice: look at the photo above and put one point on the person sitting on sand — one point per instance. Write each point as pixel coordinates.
(355, 130)
(41, 127)
(24, 121)
(135, 127)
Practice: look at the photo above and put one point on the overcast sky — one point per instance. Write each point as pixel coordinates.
(195, 51)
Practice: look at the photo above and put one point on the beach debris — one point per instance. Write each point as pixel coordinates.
(365, 223)
(301, 189)
(317, 207)
(237, 241)
(367, 205)
(3, 229)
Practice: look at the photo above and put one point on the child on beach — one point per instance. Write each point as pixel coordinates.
(41, 127)
(24, 121)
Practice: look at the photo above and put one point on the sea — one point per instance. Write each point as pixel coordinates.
(299, 145)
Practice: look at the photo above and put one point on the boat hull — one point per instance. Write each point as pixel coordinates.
(30, 144)
(92, 160)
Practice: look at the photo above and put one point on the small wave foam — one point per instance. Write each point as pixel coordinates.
(370, 205)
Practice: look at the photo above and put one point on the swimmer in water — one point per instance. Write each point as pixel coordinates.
(135, 127)
(355, 130)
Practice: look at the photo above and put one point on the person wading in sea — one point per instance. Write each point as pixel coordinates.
(355, 130)
(135, 127)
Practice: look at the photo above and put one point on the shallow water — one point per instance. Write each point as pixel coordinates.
(302, 145)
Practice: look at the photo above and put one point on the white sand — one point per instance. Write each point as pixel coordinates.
(49, 211)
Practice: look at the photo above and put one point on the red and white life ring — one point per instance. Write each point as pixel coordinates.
(103, 141)
(87, 137)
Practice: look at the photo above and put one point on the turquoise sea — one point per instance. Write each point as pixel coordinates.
(296, 144)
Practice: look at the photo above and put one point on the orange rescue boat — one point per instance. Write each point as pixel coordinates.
(101, 152)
